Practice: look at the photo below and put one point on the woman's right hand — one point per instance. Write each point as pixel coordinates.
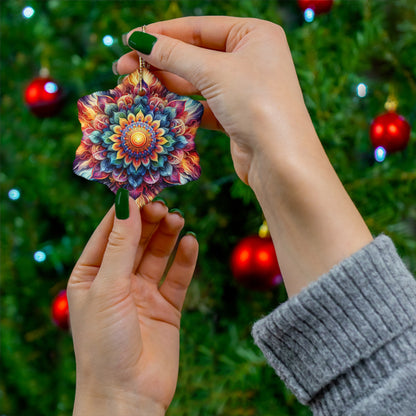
(243, 68)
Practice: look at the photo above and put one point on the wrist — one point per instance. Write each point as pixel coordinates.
(115, 404)
(285, 152)
(313, 222)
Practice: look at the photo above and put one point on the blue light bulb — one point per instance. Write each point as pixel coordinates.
(380, 154)
(108, 40)
(309, 15)
(14, 194)
(51, 87)
(39, 256)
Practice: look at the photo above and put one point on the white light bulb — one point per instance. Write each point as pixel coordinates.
(28, 12)
(108, 40)
(361, 90)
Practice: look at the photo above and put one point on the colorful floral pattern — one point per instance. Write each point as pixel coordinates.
(141, 142)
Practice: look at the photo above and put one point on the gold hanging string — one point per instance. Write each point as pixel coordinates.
(141, 66)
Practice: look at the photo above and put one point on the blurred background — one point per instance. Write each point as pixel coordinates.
(352, 56)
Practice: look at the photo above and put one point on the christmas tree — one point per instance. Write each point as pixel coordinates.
(349, 60)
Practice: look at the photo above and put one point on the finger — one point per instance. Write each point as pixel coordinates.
(175, 83)
(123, 240)
(209, 32)
(160, 247)
(209, 121)
(88, 264)
(151, 215)
(129, 62)
(183, 59)
(181, 271)
(93, 252)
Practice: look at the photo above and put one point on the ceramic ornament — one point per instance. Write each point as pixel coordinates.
(138, 136)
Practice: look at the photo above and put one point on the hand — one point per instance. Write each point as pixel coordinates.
(244, 69)
(125, 325)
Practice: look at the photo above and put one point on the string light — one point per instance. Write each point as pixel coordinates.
(309, 15)
(380, 154)
(14, 194)
(361, 90)
(108, 40)
(40, 256)
(28, 12)
(51, 87)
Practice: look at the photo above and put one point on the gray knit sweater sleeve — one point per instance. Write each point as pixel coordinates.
(346, 345)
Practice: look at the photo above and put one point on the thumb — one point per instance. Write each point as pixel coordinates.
(188, 61)
(123, 240)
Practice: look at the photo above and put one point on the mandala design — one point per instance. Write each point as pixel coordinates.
(140, 142)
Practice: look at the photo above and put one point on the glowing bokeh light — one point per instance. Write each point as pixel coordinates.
(28, 12)
(108, 40)
(380, 154)
(14, 194)
(244, 256)
(361, 90)
(378, 130)
(309, 15)
(263, 256)
(39, 256)
(51, 87)
(392, 128)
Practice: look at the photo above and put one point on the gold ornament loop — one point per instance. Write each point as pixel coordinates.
(391, 103)
(142, 64)
(264, 230)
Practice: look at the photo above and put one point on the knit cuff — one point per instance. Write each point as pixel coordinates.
(366, 302)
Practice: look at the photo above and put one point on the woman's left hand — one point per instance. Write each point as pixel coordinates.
(124, 321)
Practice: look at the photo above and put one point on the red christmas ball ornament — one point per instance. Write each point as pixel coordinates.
(44, 97)
(254, 263)
(60, 310)
(318, 6)
(390, 131)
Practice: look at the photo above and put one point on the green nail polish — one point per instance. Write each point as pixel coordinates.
(176, 211)
(159, 199)
(197, 97)
(142, 42)
(122, 204)
(191, 233)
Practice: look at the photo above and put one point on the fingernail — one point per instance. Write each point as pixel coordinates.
(197, 97)
(176, 211)
(124, 38)
(142, 42)
(114, 68)
(159, 199)
(122, 204)
(191, 233)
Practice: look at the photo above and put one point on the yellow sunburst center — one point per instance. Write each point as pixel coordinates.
(138, 138)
